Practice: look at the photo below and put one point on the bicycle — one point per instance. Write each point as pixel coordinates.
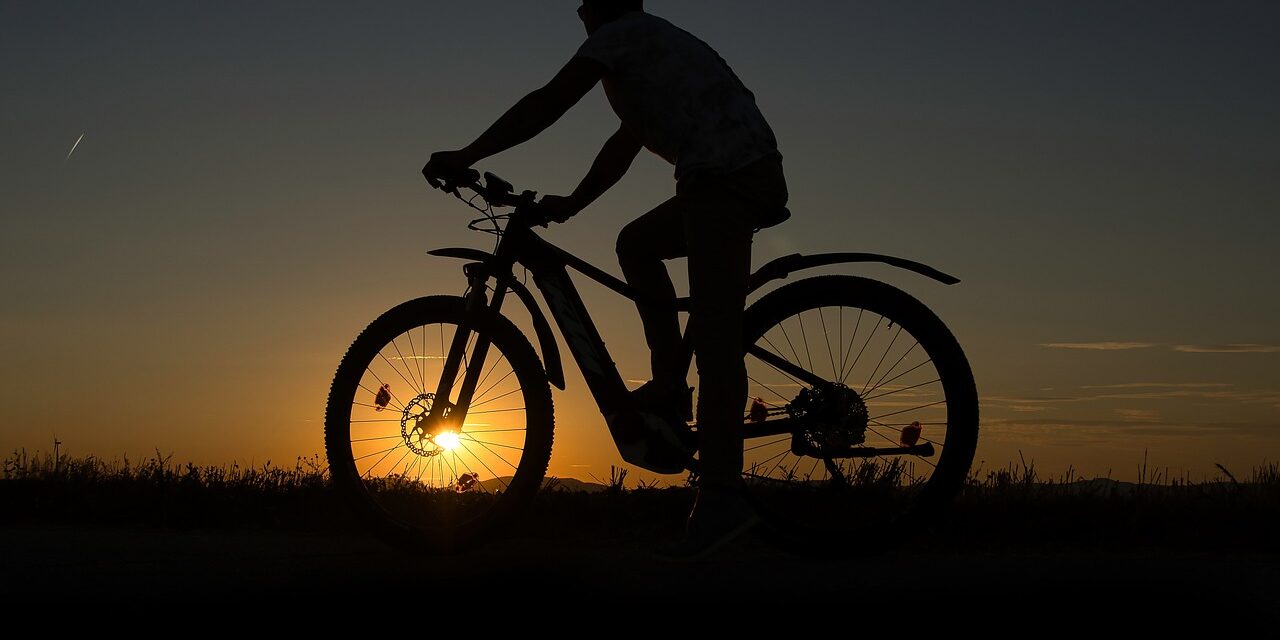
(447, 461)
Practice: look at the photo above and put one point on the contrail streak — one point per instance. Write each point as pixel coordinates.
(73, 147)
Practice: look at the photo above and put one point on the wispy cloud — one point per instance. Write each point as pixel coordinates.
(1213, 392)
(1227, 348)
(1152, 385)
(1235, 347)
(1145, 416)
(1098, 346)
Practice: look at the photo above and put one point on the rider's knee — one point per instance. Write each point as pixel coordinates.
(629, 244)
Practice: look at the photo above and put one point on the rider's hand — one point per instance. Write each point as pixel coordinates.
(559, 208)
(444, 165)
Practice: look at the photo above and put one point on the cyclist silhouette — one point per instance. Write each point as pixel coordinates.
(676, 97)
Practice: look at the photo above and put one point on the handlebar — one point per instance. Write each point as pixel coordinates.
(496, 191)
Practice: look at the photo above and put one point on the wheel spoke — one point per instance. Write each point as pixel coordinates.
(384, 457)
(901, 389)
(845, 353)
(827, 338)
(784, 398)
(894, 413)
(481, 395)
(789, 344)
(858, 357)
(377, 438)
(486, 466)
(485, 442)
(397, 370)
(882, 357)
(779, 440)
(407, 365)
(900, 375)
(805, 337)
(495, 454)
(501, 358)
(890, 369)
(472, 413)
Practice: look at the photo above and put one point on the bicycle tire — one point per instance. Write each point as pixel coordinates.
(810, 511)
(423, 515)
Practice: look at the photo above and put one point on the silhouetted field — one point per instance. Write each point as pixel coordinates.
(1000, 509)
(153, 531)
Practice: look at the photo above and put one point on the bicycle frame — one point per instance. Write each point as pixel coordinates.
(549, 265)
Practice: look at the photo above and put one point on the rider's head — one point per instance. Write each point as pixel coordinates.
(595, 13)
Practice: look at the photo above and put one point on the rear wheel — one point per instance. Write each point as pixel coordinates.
(436, 486)
(862, 413)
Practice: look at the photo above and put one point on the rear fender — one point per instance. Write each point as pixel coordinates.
(780, 268)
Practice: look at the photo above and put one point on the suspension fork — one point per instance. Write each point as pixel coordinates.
(479, 310)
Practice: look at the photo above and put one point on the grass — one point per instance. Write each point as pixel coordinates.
(157, 491)
(996, 509)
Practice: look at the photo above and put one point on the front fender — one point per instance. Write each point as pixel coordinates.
(546, 339)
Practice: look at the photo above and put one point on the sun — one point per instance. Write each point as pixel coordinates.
(447, 440)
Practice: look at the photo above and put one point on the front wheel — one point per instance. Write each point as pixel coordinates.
(862, 412)
(436, 485)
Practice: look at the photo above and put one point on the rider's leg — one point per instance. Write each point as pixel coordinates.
(718, 235)
(724, 212)
(719, 245)
(642, 246)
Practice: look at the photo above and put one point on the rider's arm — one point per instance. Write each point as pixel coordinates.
(536, 111)
(610, 165)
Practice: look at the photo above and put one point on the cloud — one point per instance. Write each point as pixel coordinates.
(1145, 385)
(1227, 348)
(1148, 416)
(1241, 347)
(1178, 391)
(1066, 427)
(1098, 346)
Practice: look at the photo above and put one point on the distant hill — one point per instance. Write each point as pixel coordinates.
(572, 485)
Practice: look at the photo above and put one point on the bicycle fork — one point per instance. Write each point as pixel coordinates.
(478, 310)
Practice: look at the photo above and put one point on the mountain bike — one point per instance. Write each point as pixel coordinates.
(861, 416)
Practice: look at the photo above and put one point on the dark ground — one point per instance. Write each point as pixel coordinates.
(100, 564)
(82, 532)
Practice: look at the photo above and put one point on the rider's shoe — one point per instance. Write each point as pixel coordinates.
(720, 515)
(654, 432)
(653, 442)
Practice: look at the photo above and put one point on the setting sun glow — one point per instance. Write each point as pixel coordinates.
(447, 440)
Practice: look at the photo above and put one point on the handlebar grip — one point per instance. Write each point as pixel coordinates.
(450, 181)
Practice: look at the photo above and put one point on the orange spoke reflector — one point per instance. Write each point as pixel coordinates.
(466, 482)
(759, 412)
(382, 398)
(911, 434)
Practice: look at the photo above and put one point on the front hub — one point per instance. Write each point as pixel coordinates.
(424, 434)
